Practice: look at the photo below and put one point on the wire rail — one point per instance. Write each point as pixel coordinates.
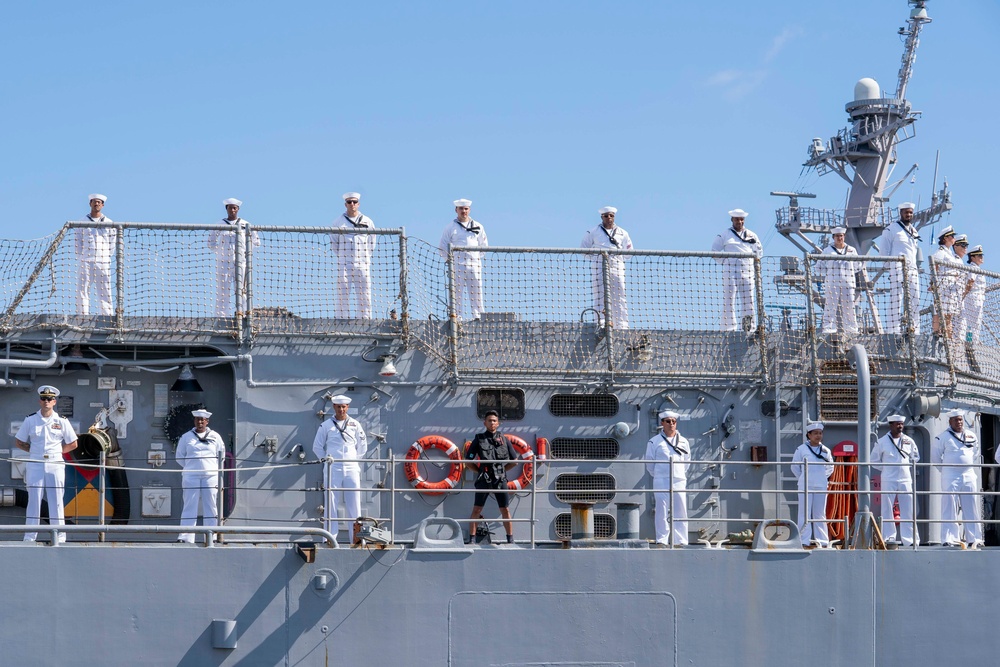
(394, 490)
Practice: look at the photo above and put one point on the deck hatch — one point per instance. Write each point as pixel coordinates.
(585, 448)
(585, 488)
(605, 526)
(583, 405)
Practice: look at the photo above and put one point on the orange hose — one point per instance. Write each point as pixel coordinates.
(840, 505)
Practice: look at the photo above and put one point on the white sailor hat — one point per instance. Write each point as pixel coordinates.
(907, 204)
(102, 198)
(340, 399)
(814, 426)
(462, 202)
(962, 238)
(201, 412)
(976, 250)
(895, 418)
(738, 213)
(607, 209)
(232, 202)
(839, 230)
(947, 231)
(352, 195)
(951, 414)
(669, 414)
(48, 391)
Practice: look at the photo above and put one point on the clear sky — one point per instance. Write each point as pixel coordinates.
(540, 112)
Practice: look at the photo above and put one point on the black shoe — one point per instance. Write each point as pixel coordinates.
(510, 539)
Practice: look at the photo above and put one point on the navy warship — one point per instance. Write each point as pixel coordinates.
(583, 583)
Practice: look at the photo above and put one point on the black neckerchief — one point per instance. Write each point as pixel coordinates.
(343, 431)
(961, 439)
(208, 435)
(898, 449)
(472, 228)
(101, 219)
(236, 222)
(913, 234)
(746, 236)
(844, 252)
(675, 444)
(359, 224)
(611, 235)
(820, 454)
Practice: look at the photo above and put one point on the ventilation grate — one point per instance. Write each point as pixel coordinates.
(605, 526)
(585, 488)
(583, 405)
(584, 448)
(838, 392)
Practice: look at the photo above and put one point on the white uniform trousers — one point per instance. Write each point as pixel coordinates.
(204, 489)
(469, 281)
(813, 506)
(893, 321)
(98, 276)
(225, 288)
(950, 531)
(50, 478)
(898, 492)
(618, 307)
(342, 485)
(356, 277)
(970, 321)
(736, 285)
(663, 509)
(839, 298)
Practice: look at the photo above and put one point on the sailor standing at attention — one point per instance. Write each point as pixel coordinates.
(900, 239)
(894, 454)
(227, 264)
(610, 236)
(960, 448)
(974, 296)
(464, 232)
(94, 248)
(199, 453)
(839, 285)
(354, 259)
(818, 458)
(341, 442)
(942, 279)
(737, 274)
(46, 437)
(669, 446)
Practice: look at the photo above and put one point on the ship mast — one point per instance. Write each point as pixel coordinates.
(863, 154)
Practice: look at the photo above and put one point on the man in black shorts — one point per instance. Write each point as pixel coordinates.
(496, 456)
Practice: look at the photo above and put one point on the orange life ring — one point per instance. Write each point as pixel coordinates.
(418, 448)
(524, 452)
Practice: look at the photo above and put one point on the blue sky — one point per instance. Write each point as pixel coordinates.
(540, 112)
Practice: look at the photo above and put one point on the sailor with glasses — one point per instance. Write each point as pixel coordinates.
(958, 449)
(354, 259)
(464, 232)
(818, 459)
(737, 273)
(670, 481)
(46, 437)
(608, 235)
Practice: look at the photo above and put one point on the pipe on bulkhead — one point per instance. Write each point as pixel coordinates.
(51, 361)
(860, 361)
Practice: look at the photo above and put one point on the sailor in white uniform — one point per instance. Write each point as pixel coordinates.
(839, 285)
(354, 259)
(94, 249)
(943, 278)
(959, 447)
(895, 454)
(465, 232)
(199, 453)
(46, 437)
(974, 296)
(900, 239)
(954, 294)
(818, 458)
(610, 236)
(223, 242)
(737, 274)
(340, 441)
(669, 446)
